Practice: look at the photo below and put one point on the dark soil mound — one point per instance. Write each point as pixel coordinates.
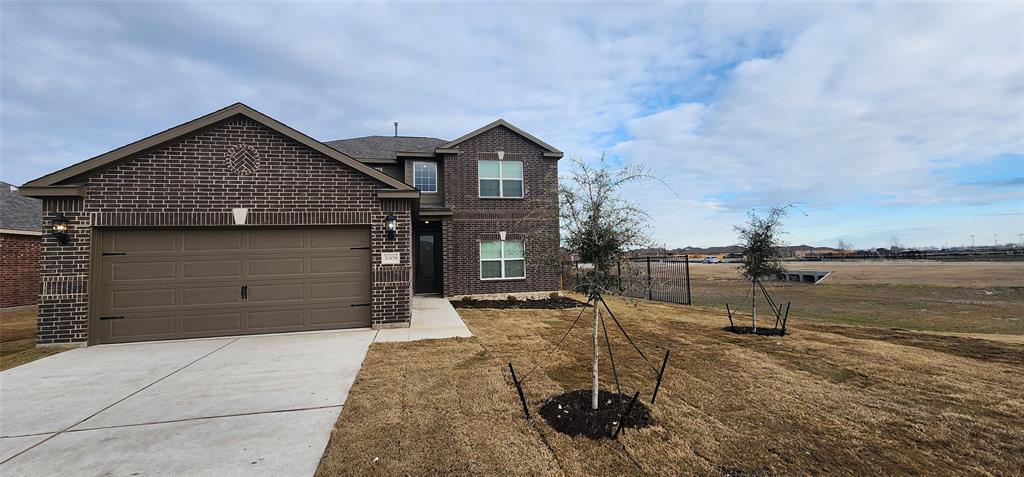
(570, 413)
(550, 303)
(746, 330)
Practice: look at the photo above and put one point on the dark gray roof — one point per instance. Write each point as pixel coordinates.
(385, 147)
(18, 212)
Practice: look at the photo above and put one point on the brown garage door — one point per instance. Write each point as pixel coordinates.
(166, 284)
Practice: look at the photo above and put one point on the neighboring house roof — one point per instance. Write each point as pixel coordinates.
(385, 147)
(50, 183)
(549, 150)
(18, 213)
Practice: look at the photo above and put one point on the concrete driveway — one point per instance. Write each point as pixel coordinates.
(259, 405)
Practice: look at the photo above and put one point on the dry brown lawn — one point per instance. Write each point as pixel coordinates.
(973, 297)
(918, 272)
(828, 399)
(18, 338)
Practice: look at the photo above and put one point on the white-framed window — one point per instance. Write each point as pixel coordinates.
(501, 179)
(501, 259)
(424, 176)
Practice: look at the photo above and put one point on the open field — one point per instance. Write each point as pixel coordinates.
(18, 338)
(829, 399)
(972, 297)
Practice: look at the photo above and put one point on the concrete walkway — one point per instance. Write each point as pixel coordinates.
(251, 405)
(432, 318)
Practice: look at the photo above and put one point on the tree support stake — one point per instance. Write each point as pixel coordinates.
(660, 375)
(519, 388)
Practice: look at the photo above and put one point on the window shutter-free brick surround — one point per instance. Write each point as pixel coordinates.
(533, 219)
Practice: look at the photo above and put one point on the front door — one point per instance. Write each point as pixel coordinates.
(428, 262)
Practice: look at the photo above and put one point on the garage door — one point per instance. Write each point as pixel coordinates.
(166, 284)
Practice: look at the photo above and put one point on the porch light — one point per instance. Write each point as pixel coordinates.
(392, 226)
(60, 228)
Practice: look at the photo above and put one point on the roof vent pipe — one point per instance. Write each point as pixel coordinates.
(396, 128)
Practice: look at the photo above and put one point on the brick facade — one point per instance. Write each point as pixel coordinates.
(189, 183)
(533, 219)
(19, 275)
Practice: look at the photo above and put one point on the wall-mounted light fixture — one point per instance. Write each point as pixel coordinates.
(392, 226)
(60, 228)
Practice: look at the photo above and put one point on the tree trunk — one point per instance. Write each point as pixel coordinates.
(593, 394)
(753, 302)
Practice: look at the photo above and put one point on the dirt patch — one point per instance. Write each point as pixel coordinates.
(571, 413)
(550, 303)
(748, 330)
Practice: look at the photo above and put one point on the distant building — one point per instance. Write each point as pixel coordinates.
(21, 225)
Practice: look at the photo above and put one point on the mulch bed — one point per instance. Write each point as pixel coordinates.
(571, 414)
(550, 303)
(746, 330)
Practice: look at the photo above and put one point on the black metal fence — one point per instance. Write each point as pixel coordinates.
(661, 279)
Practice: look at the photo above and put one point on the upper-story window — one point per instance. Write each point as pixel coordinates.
(501, 179)
(424, 176)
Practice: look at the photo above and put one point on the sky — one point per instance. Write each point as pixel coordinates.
(879, 120)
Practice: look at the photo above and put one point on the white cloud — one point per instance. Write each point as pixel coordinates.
(740, 104)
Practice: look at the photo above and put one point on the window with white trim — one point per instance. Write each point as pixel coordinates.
(501, 179)
(502, 259)
(424, 176)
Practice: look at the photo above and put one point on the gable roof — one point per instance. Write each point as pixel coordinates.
(90, 165)
(385, 147)
(549, 150)
(18, 212)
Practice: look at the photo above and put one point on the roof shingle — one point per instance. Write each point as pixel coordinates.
(18, 212)
(385, 147)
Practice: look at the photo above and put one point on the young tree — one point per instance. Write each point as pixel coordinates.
(600, 226)
(761, 239)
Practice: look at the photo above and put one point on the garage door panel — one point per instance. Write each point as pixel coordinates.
(289, 318)
(271, 293)
(352, 291)
(356, 264)
(136, 299)
(320, 239)
(275, 267)
(346, 316)
(140, 241)
(212, 241)
(126, 271)
(276, 240)
(212, 268)
(188, 283)
(212, 323)
(153, 327)
(211, 295)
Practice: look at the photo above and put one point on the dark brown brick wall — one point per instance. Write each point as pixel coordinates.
(533, 218)
(19, 274)
(188, 184)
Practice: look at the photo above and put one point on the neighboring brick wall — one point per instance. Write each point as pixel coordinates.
(19, 274)
(533, 219)
(187, 183)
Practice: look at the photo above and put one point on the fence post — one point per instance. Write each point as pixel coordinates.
(618, 272)
(689, 299)
(650, 294)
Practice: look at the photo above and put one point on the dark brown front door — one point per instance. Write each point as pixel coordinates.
(166, 284)
(428, 262)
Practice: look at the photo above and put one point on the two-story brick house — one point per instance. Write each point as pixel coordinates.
(235, 223)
